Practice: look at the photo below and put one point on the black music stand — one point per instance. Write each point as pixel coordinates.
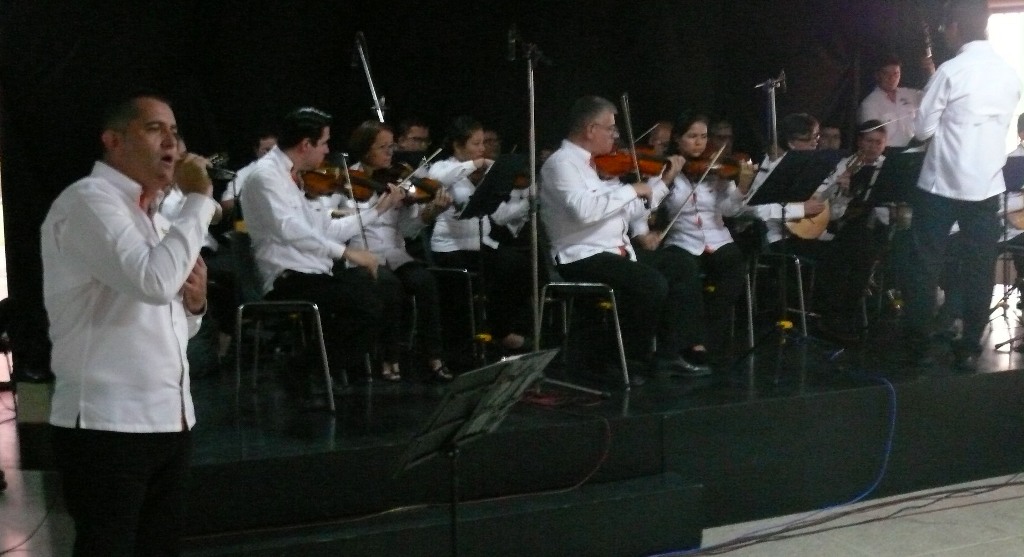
(474, 405)
(496, 185)
(794, 179)
(897, 179)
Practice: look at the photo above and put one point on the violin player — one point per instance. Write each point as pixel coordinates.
(400, 275)
(296, 246)
(701, 198)
(588, 221)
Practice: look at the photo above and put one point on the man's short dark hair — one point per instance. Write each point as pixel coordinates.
(1020, 124)
(888, 60)
(796, 126)
(587, 109)
(407, 124)
(125, 108)
(970, 16)
(303, 123)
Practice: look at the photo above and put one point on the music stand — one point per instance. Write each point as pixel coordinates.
(794, 179)
(474, 405)
(897, 178)
(496, 185)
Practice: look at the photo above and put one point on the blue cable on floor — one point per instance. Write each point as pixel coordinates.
(754, 534)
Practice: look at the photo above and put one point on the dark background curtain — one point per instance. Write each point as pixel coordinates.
(232, 67)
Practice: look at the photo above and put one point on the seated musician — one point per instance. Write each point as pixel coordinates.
(264, 143)
(860, 234)
(295, 246)
(469, 244)
(699, 235)
(587, 220)
(799, 132)
(371, 146)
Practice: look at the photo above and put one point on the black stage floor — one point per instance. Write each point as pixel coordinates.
(795, 426)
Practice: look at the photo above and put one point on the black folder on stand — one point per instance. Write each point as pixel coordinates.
(496, 185)
(795, 178)
(898, 177)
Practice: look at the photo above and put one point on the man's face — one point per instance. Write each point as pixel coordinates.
(417, 138)
(870, 145)
(265, 145)
(602, 134)
(147, 149)
(830, 138)
(806, 142)
(492, 144)
(660, 139)
(315, 152)
(888, 78)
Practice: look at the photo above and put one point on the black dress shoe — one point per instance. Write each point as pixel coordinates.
(965, 357)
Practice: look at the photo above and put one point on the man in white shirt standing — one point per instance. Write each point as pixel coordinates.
(967, 106)
(890, 103)
(124, 290)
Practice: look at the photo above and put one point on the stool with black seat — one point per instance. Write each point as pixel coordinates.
(253, 311)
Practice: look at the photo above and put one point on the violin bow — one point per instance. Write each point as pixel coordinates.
(352, 195)
(711, 164)
(629, 133)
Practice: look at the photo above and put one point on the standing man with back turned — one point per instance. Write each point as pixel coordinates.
(965, 112)
(125, 289)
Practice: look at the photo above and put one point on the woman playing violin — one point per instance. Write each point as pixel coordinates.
(701, 198)
(399, 275)
(468, 243)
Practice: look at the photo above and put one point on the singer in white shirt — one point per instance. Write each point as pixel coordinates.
(125, 289)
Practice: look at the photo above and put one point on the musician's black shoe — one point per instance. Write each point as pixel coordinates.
(965, 357)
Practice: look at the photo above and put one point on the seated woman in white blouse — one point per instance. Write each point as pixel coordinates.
(371, 146)
(468, 244)
(700, 233)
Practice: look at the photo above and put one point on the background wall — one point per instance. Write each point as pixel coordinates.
(233, 66)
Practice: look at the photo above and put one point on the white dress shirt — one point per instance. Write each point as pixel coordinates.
(235, 186)
(899, 114)
(171, 204)
(454, 234)
(112, 283)
(700, 227)
(584, 215)
(287, 232)
(385, 236)
(967, 107)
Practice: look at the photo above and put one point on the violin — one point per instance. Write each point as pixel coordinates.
(419, 189)
(323, 180)
(727, 167)
(364, 186)
(620, 163)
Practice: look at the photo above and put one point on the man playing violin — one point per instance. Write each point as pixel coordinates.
(588, 219)
(295, 246)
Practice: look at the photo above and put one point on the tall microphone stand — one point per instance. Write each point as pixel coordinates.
(533, 55)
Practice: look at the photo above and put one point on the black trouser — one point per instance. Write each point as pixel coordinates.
(507, 282)
(845, 268)
(124, 491)
(411, 279)
(351, 309)
(979, 233)
(684, 323)
(640, 292)
(725, 271)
